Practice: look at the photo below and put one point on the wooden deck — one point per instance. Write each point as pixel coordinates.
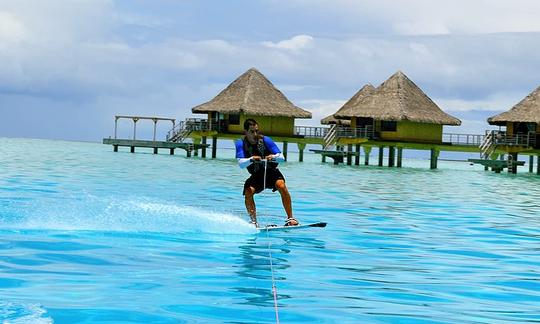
(132, 144)
(497, 165)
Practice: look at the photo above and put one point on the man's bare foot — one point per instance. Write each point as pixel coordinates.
(291, 222)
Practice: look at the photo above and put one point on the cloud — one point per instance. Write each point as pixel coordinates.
(496, 102)
(294, 44)
(320, 109)
(423, 17)
(102, 57)
(11, 28)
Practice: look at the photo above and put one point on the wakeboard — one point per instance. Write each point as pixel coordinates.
(272, 227)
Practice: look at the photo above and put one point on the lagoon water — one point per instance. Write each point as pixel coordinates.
(92, 236)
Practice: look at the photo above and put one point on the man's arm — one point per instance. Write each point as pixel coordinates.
(276, 154)
(243, 162)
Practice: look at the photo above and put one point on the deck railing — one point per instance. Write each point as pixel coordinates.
(357, 132)
(309, 131)
(500, 137)
(503, 138)
(463, 139)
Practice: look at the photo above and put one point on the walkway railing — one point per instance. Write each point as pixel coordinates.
(463, 139)
(503, 138)
(358, 132)
(309, 131)
(184, 128)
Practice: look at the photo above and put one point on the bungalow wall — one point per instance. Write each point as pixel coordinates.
(523, 128)
(234, 123)
(410, 131)
(514, 128)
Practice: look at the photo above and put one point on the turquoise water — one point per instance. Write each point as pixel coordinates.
(89, 235)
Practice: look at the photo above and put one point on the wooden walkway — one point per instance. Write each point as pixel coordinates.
(132, 144)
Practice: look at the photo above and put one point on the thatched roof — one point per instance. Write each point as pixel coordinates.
(349, 108)
(253, 94)
(330, 120)
(398, 99)
(525, 111)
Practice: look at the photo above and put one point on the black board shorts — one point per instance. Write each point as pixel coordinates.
(256, 180)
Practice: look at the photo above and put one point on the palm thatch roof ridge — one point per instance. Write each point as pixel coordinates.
(399, 99)
(350, 106)
(252, 93)
(525, 111)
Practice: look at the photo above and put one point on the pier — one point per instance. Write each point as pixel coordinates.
(154, 144)
(347, 146)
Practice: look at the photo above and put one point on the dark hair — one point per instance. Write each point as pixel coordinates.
(249, 122)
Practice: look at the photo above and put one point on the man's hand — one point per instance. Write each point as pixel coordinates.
(270, 157)
(256, 158)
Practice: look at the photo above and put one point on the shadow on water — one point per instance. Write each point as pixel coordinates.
(259, 257)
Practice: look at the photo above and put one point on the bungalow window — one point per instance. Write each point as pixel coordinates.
(364, 121)
(234, 119)
(388, 126)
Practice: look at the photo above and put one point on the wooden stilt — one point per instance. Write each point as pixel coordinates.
(155, 150)
(538, 164)
(367, 152)
(391, 156)
(115, 148)
(301, 147)
(349, 155)
(357, 156)
(381, 155)
(171, 152)
(214, 147)
(203, 149)
(514, 165)
(285, 150)
(132, 149)
(399, 156)
(434, 158)
(196, 141)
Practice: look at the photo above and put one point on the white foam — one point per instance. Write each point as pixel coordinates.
(18, 313)
(133, 215)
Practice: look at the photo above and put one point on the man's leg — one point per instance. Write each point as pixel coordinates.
(249, 192)
(286, 200)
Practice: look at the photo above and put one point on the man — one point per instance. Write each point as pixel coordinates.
(254, 151)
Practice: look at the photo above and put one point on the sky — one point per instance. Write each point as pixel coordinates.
(67, 67)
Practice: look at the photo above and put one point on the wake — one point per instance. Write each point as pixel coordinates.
(135, 215)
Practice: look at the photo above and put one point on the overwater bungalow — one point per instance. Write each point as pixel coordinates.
(521, 122)
(252, 95)
(397, 114)
(397, 110)
(519, 133)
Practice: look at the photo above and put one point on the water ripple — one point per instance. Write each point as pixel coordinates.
(88, 235)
